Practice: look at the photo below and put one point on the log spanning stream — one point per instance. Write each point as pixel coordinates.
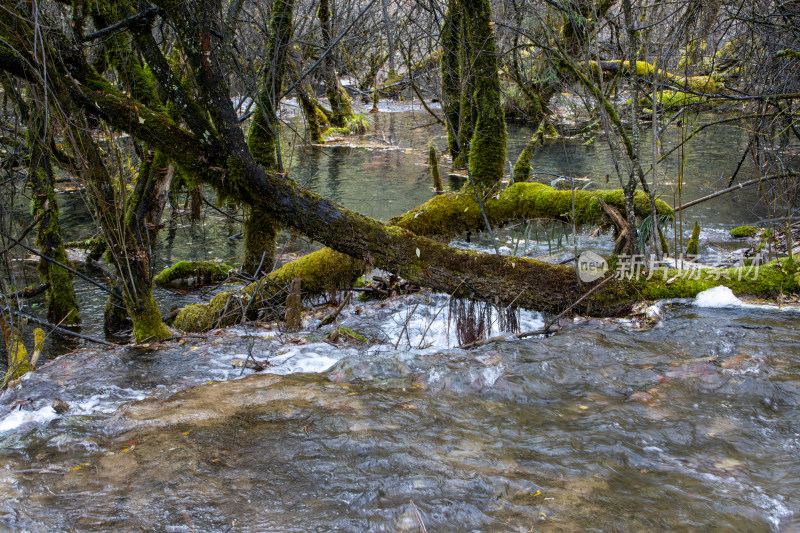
(685, 420)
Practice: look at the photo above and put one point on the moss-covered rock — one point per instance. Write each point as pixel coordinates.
(744, 231)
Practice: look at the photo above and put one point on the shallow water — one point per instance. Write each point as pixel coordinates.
(691, 424)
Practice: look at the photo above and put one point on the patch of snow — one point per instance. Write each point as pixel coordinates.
(718, 297)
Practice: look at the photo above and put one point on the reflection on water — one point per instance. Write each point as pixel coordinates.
(690, 425)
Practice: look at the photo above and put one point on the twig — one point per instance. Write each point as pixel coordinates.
(736, 188)
(62, 331)
(220, 211)
(405, 326)
(62, 265)
(249, 356)
(579, 300)
(520, 335)
(331, 317)
(147, 14)
(419, 517)
(24, 233)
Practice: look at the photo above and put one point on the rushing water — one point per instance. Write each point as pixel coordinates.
(691, 424)
(688, 422)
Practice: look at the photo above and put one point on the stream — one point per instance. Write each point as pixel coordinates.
(684, 417)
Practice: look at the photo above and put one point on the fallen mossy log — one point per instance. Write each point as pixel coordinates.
(504, 279)
(706, 84)
(203, 271)
(443, 216)
(448, 216)
(319, 271)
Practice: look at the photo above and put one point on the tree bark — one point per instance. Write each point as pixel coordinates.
(341, 110)
(487, 148)
(62, 306)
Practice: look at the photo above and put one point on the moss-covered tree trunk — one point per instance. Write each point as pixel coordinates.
(341, 109)
(18, 360)
(62, 306)
(264, 141)
(450, 69)
(312, 114)
(468, 110)
(260, 231)
(487, 149)
(131, 227)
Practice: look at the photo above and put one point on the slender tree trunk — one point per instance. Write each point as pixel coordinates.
(630, 188)
(341, 110)
(62, 306)
(263, 141)
(487, 149)
(387, 25)
(451, 84)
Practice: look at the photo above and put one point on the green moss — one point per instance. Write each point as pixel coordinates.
(18, 363)
(262, 137)
(341, 107)
(204, 271)
(314, 117)
(62, 305)
(450, 215)
(260, 231)
(94, 247)
(451, 92)
(769, 280)
(674, 99)
(522, 168)
(319, 272)
(788, 53)
(487, 147)
(693, 247)
(350, 333)
(433, 163)
(147, 324)
(202, 317)
(744, 231)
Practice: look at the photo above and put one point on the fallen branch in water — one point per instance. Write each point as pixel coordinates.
(736, 188)
(61, 331)
(520, 335)
(332, 316)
